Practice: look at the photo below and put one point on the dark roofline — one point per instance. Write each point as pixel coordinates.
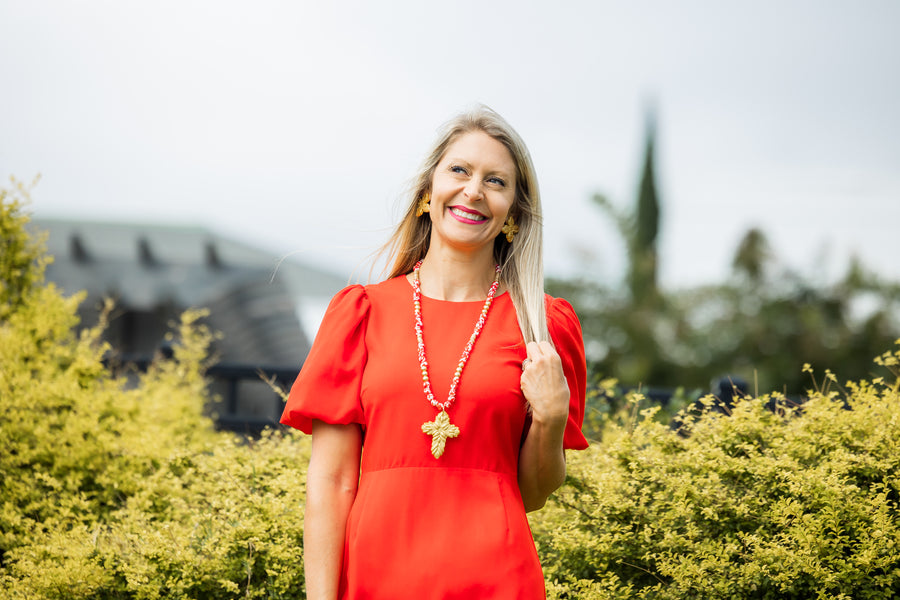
(212, 249)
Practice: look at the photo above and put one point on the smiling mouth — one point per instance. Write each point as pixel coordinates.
(466, 216)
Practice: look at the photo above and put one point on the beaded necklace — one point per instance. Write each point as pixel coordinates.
(440, 429)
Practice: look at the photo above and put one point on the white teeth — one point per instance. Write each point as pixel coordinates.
(467, 215)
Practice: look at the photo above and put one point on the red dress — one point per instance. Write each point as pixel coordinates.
(422, 527)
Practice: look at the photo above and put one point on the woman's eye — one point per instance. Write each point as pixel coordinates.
(497, 181)
(457, 169)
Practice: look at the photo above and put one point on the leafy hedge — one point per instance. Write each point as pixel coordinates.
(796, 502)
(113, 484)
(116, 489)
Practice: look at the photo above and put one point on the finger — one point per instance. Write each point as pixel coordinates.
(547, 348)
(533, 350)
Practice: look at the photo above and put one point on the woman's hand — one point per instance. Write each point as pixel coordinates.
(542, 460)
(544, 385)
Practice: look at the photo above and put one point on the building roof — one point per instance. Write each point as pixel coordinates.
(155, 244)
(259, 308)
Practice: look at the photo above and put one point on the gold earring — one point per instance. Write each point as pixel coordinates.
(424, 205)
(510, 229)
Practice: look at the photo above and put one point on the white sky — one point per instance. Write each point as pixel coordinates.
(295, 125)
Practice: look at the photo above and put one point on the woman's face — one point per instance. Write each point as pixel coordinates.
(472, 191)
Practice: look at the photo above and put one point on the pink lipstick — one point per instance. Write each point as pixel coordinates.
(465, 216)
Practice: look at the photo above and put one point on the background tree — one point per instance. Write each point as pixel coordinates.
(642, 272)
(752, 256)
(625, 328)
(761, 324)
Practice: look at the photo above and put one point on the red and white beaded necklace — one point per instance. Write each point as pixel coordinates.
(440, 429)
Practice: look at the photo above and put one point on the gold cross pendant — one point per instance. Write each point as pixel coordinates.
(440, 429)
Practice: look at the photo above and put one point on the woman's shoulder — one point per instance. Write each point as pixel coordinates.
(559, 311)
(347, 309)
(353, 304)
(388, 290)
(354, 295)
(360, 293)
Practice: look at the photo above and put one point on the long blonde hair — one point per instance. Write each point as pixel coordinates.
(522, 260)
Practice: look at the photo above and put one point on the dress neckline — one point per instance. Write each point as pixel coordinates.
(459, 302)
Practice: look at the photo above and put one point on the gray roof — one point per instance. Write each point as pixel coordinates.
(145, 267)
(148, 245)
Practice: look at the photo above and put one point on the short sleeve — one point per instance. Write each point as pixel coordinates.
(328, 386)
(566, 333)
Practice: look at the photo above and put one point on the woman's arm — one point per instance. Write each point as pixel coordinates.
(542, 460)
(331, 483)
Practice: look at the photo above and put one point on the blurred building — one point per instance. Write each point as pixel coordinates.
(267, 310)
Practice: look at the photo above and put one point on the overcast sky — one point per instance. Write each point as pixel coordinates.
(295, 125)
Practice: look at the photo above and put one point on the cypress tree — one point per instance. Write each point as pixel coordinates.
(642, 276)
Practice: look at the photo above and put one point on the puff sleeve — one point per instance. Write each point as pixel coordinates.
(565, 330)
(328, 386)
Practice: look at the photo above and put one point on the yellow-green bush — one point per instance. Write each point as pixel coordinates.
(118, 490)
(224, 523)
(800, 502)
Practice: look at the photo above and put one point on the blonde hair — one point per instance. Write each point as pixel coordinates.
(522, 260)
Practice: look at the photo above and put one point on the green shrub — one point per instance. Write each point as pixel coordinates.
(113, 485)
(22, 259)
(224, 523)
(799, 502)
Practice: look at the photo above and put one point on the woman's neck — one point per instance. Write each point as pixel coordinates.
(457, 278)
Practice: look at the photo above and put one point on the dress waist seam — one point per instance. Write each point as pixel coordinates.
(436, 468)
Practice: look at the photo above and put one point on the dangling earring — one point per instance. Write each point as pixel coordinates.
(424, 205)
(510, 229)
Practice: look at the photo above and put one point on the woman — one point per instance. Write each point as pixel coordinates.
(463, 379)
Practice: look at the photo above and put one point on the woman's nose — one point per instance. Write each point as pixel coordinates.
(473, 190)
